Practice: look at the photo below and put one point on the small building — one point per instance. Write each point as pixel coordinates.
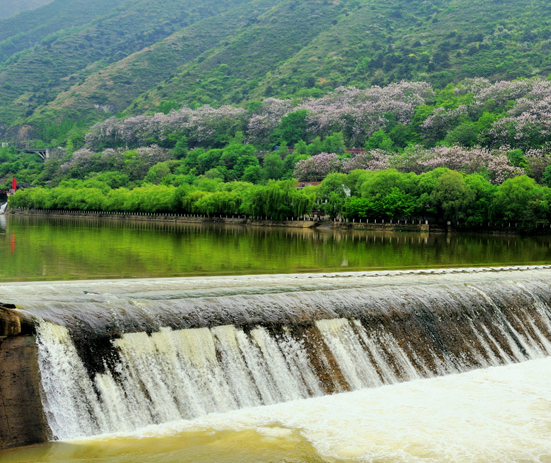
(302, 185)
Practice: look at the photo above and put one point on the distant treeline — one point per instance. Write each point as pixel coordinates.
(441, 195)
(477, 153)
(499, 130)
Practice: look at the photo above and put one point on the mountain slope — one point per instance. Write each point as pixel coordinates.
(231, 72)
(31, 27)
(34, 77)
(132, 56)
(121, 82)
(380, 42)
(445, 42)
(9, 8)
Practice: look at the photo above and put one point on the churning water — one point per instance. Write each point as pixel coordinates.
(498, 414)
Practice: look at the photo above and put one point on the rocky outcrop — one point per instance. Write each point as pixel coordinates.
(22, 419)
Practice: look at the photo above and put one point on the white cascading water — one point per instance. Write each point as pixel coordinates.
(167, 376)
(182, 374)
(3, 208)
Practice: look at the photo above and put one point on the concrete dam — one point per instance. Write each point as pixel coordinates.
(83, 358)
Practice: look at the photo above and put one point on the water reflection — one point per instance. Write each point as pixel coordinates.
(76, 248)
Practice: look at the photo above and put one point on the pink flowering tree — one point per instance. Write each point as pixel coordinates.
(266, 119)
(358, 113)
(494, 164)
(370, 160)
(205, 125)
(316, 168)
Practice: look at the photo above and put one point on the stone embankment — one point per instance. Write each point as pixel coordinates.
(290, 222)
(410, 225)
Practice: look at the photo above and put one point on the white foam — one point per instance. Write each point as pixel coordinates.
(499, 414)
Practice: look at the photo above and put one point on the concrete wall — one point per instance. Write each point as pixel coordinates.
(414, 226)
(22, 420)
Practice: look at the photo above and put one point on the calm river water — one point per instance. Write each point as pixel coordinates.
(498, 414)
(34, 248)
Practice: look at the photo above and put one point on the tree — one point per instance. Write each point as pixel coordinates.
(547, 176)
(300, 147)
(317, 167)
(522, 200)
(380, 183)
(273, 167)
(316, 147)
(516, 158)
(451, 196)
(252, 174)
(391, 193)
(113, 179)
(402, 135)
(464, 134)
(478, 212)
(359, 207)
(334, 206)
(181, 148)
(379, 140)
(292, 128)
(236, 157)
(334, 143)
(209, 160)
(158, 172)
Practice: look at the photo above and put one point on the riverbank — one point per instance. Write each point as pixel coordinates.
(415, 225)
(304, 222)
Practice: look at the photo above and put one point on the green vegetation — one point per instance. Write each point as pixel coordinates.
(115, 88)
(477, 154)
(369, 43)
(81, 61)
(221, 108)
(34, 77)
(40, 27)
(468, 201)
(12, 7)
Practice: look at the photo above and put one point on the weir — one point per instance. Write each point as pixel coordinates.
(120, 355)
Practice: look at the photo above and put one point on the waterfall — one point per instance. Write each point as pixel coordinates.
(159, 358)
(3, 208)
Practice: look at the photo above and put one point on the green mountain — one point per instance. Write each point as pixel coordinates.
(74, 62)
(10, 8)
(118, 84)
(33, 77)
(372, 42)
(33, 27)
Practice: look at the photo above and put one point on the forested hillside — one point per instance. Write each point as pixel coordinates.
(35, 76)
(74, 62)
(373, 42)
(475, 154)
(9, 8)
(33, 27)
(402, 109)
